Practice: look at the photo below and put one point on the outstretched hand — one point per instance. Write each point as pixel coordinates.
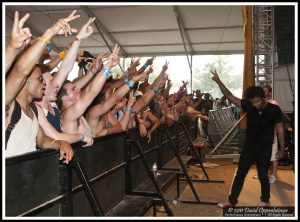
(131, 99)
(165, 66)
(113, 58)
(215, 76)
(86, 29)
(62, 27)
(150, 61)
(20, 36)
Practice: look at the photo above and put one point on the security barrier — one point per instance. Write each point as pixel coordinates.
(222, 121)
(38, 184)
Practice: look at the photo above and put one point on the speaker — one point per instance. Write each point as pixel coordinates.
(284, 22)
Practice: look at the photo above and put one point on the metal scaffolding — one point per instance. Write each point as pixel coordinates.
(263, 44)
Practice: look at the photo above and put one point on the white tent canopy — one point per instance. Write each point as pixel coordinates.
(144, 30)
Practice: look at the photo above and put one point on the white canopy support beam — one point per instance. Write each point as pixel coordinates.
(102, 30)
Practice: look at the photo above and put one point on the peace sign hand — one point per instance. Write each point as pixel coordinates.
(62, 25)
(113, 58)
(86, 29)
(215, 76)
(20, 36)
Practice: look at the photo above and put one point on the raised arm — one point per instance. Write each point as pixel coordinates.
(148, 63)
(93, 89)
(126, 117)
(16, 79)
(20, 37)
(103, 108)
(149, 95)
(236, 101)
(69, 60)
(94, 68)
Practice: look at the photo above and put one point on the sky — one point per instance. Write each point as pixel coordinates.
(178, 68)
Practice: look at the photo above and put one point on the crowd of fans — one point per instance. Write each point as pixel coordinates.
(45, 110)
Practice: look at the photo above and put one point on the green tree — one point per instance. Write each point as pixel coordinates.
(202, 78)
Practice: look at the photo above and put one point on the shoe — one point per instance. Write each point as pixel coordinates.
(265, 204)
(225, 204)
(272, 179)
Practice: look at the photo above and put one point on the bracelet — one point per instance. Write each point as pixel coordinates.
(82, 137)
(145, 65)
(53, 142)
(106, 72)
(62, 54)
(44, 40)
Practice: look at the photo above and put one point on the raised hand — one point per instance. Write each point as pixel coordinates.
(150, 61)
(165, 66)
(97, 63)
(62, 27)
(215, 76)
(150, 70)
(113, 58)
(20, 36)
(86, 29)
(131, 99)
(134, 64)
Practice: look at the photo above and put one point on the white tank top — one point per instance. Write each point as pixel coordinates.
(23, 137)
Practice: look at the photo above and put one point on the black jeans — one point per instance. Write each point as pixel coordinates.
(262, 158)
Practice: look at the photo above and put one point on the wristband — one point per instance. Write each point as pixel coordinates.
(48, 47)
(155, 90)
(53, 142)
(44, 40)
(145, 65)
(130, 83)
(131, 111)
(126, 74)
(62, 54)
(106, 72)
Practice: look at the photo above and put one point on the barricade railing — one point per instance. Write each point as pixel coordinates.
(38, 184)
(222, 122)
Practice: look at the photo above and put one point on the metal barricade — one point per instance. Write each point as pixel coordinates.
(222, 121)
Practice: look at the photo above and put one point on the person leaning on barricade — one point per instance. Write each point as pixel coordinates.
(24, 84)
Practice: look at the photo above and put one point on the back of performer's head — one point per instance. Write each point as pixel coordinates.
(254, 91)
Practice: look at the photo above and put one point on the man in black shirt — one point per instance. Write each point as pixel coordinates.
(262, 117)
